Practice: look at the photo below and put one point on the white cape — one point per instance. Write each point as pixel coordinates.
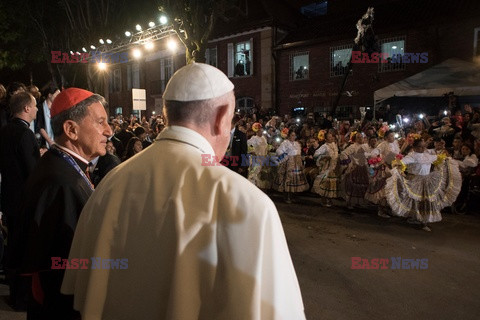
(202, 242)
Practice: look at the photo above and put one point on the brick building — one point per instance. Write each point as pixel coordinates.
(287, 54)
(443, 29)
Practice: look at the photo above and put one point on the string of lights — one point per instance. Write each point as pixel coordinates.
(141, 38)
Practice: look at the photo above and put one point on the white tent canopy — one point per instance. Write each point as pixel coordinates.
(453, 75)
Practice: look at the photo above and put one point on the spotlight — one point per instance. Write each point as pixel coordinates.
(137, 53)
(396, 136)
(138, 27)
(172, 45)
(128, 33)
(278, 139)
(445, 112)
(163, 20)
(71, 52)
(109, 41)
(93, 47)
(420, 115)
(153, 112)
(149, 45)
(151, 24)
(406, 120)
(264, 132)
(102, 66)
(101, 41)
(298, 119)
(84, 50)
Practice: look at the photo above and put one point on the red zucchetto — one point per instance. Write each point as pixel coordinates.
(67, 99)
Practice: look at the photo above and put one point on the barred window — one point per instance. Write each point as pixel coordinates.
(394, 48)
(211, 56)
(117, 80)
(299, 66)
(476, 42)
(339, 58)
(345, 112)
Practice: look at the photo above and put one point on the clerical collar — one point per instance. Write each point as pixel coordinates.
(70, 152)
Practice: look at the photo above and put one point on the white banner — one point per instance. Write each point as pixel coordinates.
(139, 97)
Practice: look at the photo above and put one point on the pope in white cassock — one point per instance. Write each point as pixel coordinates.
(202, 242)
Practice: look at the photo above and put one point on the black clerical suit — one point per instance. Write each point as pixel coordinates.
(19, 153)
(238, 153)
(56, 193)
(104, 165)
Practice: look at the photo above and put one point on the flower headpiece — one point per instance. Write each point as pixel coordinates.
(382, 131)
(411, 137)
(321, 135)
(284, 133)
(352, 136)
(256, 126)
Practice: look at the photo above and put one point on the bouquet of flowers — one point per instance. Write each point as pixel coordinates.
(373, 162)
(440, 159)
(284, 133)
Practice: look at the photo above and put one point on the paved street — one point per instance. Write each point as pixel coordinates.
(323, 240)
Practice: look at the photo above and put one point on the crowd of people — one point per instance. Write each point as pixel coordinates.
(413, 167)
(58, 146)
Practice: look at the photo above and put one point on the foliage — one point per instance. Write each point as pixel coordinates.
(193, 21)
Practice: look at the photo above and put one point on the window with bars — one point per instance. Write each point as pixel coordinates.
(211, 56)
(476, 42)
(394, 48)
(166, 71)
(117, 80)
(339, 58)
(299, 66)
(244, 104)
(136, 75)
(345, 112)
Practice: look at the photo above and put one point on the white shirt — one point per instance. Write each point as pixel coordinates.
(419, 163)
(259, 144)
(387, 150)
(327, 149)
(470, 161)
(356, 152)
(48, 121)
(290, 148)
(202, 242)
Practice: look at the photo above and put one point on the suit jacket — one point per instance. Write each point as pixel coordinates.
(104, 165)
(18, 155)
(238, 148)
(56, 194)
(40, 124)
(119, 147)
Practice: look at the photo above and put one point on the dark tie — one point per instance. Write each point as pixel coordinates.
(87, 171)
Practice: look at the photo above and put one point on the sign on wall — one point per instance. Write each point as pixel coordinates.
(139, 97)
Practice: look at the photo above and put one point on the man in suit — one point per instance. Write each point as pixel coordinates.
(105, 164)
(238, 150)
(18, 155)
(43, 122)
(56, 192)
